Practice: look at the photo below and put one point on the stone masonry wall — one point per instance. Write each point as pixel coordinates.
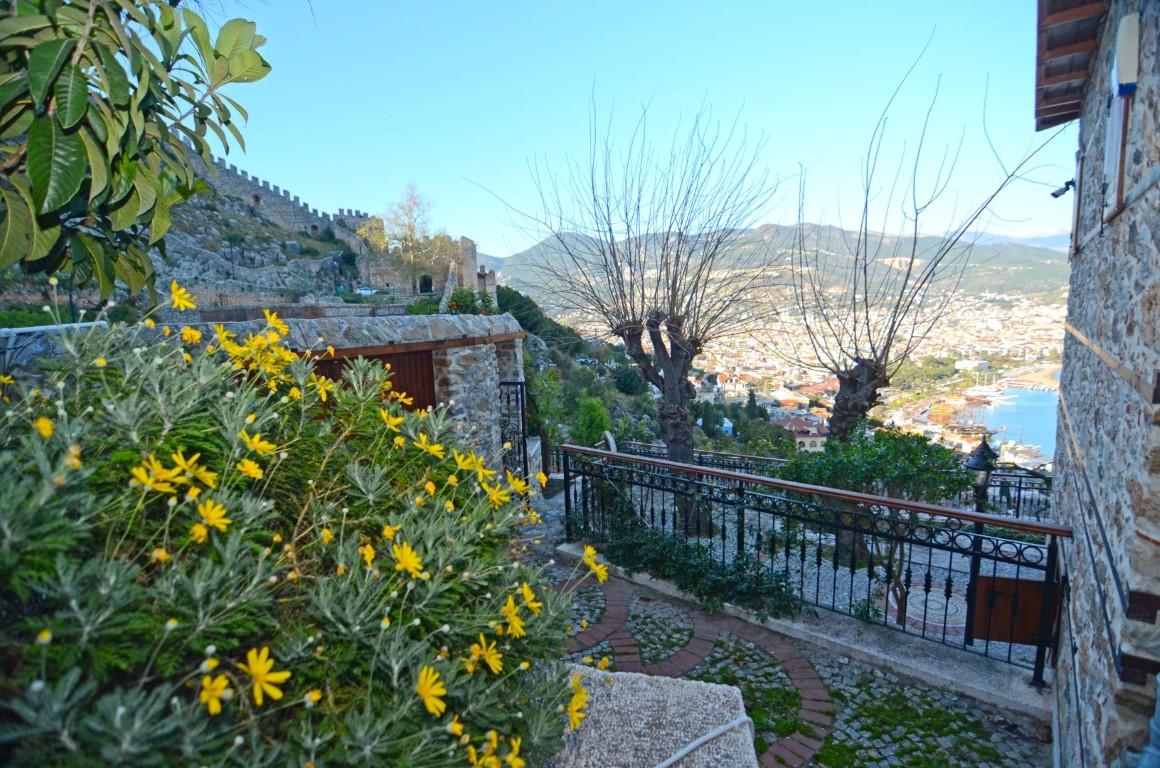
(281, 207)
(1107, 469)
(467, 379)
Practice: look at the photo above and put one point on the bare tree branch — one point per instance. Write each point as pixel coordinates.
(654, 245)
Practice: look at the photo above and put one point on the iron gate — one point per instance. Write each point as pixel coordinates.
(513, 427)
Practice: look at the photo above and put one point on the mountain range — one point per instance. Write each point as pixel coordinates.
(1030, 266)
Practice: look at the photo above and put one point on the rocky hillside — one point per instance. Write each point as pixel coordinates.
(224, 243)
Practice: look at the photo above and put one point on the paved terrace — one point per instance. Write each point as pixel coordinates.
(810, 706)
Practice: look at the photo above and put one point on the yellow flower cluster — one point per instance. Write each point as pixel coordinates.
(489, 757)
(578, 704)
(261, 352)
(153, 475)
(599, 569)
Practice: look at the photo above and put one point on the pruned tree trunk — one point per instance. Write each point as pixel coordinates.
(857, 394)
(644, 240)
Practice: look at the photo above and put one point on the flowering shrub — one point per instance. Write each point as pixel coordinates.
(211, 555)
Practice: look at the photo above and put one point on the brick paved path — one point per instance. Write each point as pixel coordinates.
(816, 706)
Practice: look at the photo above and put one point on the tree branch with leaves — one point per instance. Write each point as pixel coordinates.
(100, 102)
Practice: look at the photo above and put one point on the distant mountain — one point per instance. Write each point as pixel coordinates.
(996, 265)
(494, 263)
(1057, 242)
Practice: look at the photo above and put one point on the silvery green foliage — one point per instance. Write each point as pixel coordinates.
(115, 610)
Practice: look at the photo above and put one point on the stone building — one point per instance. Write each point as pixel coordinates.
(1098, 62)
(463, 361)
(460, 271)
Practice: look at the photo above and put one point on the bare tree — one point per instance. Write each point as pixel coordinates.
(404, 236)
(655, 248)
(865, 301)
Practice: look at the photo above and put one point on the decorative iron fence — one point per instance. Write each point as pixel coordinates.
(739, 462)
(1013, 490)
(513, 426)
(982, 583)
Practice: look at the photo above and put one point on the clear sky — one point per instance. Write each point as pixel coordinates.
(458, 97)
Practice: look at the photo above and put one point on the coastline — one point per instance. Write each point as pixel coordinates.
(1039, 377)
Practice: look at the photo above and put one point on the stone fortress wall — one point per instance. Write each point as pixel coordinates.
(291, 213)
(281, 207)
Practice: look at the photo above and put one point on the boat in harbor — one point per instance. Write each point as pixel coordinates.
(983, 394)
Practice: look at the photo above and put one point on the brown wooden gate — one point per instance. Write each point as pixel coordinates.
(1008, 610)
(411, 372)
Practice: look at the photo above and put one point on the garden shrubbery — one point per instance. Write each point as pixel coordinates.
(211, 555)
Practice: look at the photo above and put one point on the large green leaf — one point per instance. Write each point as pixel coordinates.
(16, 124)
(81, 262)
(44, 241)
(146, 187)
(18, 25)
(12, 90)
(16, 229)
(131, 270)
(98, 164)
(124, 172)
(116, 82)
(247, 66)
(103, 267)
(56, 164)
(237, 35)
(72, 96)
(123, 216)
(200, 34)
(46, 230)
(159, 224)
(44, 63)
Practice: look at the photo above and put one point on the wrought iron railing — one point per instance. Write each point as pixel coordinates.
(755, 465)
(982, 583)
(513, 426)
(1013, 491)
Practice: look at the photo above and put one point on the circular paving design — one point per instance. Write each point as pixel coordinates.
(797, 709)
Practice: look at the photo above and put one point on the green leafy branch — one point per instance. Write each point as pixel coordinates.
(98, 99)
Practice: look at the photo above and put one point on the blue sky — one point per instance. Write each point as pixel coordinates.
(458, 97)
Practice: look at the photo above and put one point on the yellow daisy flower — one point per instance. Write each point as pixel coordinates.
(431, 690)
(250, 469)
(180, 298)
(213, 689)
(407, 559)
(260, 667)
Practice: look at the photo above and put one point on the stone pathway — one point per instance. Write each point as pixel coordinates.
(809, 707)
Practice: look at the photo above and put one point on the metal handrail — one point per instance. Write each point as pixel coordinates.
(1015, 524)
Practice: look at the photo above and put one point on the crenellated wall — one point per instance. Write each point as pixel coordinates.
(281, 207)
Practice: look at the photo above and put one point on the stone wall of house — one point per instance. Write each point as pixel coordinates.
(382, 273)
(1107, 478)
(467, 379)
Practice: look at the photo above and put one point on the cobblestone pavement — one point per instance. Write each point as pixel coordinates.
(660, 628)
(809, 707)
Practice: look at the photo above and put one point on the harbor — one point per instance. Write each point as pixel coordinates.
(1017, 411)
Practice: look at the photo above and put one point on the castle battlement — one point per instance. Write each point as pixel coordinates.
(278, 204)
